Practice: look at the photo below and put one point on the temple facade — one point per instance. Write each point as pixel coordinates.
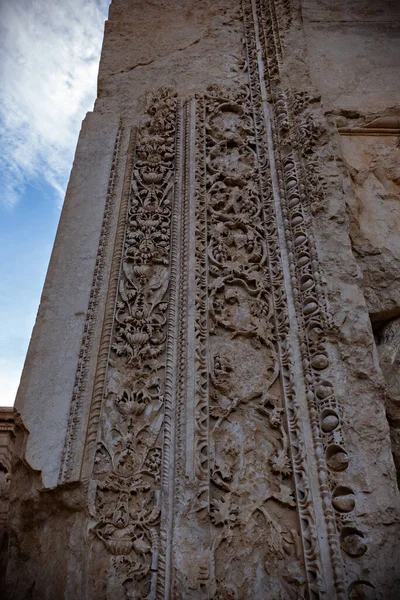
(210, 405)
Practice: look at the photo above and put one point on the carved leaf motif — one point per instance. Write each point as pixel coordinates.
(141, 545)
(286, 495)
(281, 463)
(225, 470)
(125, 502)
(224, 511)
(218, 412)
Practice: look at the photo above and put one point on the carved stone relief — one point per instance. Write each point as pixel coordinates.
(6, 443)
(294, 133)
(69, 459)
(252, 496)
(7, 438)
(226, 437)
(125, 489)
(219, 459)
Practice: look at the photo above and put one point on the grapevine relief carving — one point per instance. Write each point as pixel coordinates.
(252, 504)
(297, 132)
(251, 478)
(251, 473)
(125, 498)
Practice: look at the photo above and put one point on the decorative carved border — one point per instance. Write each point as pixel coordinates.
(69, 451)
(104, 349)
(171, 363)
(182, 362)
(281, 310)
(286, 135)
(134, 385)
(294, 136)
(201, 318)
(304, 267)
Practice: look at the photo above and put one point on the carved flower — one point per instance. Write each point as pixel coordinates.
(131, 403)
(152, 177)
(141, 272)
(137, 338)
(281, 463)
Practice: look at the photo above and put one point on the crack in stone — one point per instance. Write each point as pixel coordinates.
(149, 62)
(140, 64)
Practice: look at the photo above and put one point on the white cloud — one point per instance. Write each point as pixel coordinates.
(49, 52)
(10, 373)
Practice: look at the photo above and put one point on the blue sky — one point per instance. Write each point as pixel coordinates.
(49, 53)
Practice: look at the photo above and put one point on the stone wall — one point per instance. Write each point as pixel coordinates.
(205, 415)
(358, 44)
(6, 447)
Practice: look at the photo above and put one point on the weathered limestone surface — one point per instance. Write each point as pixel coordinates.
(45, 391)
(202, 413)
(374, 213)
(354, 60)
(389, 357)
(6, 444)
(353, 54)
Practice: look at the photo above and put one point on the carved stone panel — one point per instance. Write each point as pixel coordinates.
(255, 541)
(127, 477)
(221, 401)
(217, 461)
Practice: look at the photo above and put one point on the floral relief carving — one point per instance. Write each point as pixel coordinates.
(252, 502)
(216, 425)
(125, 497)
(250, 493)
(297, 136)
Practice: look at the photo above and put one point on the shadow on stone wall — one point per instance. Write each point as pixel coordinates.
(6, 444)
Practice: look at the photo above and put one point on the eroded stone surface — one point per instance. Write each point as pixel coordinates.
(374, 211)
(353, 53)
(6, 445)
(227, 435)
(388, 345)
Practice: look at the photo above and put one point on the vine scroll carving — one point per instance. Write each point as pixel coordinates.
(218, 455)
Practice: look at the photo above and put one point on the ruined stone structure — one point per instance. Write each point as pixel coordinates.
(202, 413)
(6, 444)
